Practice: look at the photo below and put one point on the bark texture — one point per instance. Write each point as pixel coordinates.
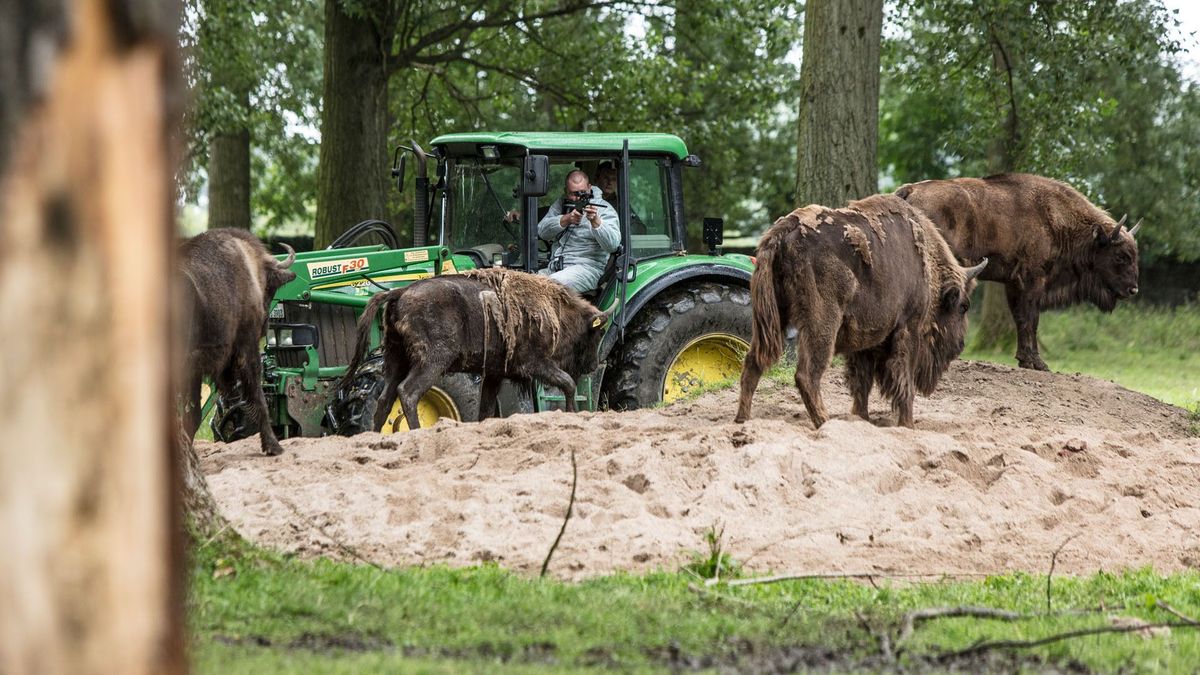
(353, 170)
(88, 574)
(839, 102)
(229, 176)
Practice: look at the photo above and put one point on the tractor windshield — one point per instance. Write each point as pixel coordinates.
(481, 209)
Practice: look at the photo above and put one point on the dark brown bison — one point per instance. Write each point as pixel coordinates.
(227, 285)
(1047, 244)
(874, 282)
(494, 323)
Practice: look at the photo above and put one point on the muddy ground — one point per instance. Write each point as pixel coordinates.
(1003, 466)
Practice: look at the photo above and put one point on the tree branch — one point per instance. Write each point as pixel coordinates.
(529, 80)
(470, 25)
(981, 647)
(911, 618)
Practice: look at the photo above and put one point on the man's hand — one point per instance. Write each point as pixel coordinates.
(512, 216)
(592, 216)
(570, 218)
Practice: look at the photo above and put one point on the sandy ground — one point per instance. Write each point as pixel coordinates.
(1004, 465)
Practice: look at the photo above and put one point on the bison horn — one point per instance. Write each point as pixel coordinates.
(975, 270)
(1116, 233)
(290, 259)
(1134, 230)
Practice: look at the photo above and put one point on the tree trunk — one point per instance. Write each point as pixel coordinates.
(353, 170)
(90, 570)
(839, 102)
(229, 180)
(203, 518)
(995, 330)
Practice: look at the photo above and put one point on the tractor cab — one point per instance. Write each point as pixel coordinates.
(492, 189)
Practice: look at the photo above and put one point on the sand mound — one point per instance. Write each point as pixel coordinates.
(1003, 466)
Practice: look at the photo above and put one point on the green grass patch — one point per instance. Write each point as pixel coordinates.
(1146, 348)
(254, 611)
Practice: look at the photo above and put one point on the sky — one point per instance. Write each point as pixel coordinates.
(1189, 32)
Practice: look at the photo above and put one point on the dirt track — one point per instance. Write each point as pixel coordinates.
(1004, 465)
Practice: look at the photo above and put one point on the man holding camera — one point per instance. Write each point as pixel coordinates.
(584, 230)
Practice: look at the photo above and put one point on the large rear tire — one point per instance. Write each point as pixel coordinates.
(681, 341)
(456, 396)
(352, 410)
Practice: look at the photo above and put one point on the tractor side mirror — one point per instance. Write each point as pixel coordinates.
(399, 160)
(714, 234)
(535, 176)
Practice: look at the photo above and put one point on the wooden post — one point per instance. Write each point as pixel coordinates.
(90, 556)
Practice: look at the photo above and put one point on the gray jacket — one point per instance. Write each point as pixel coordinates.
(582, 244)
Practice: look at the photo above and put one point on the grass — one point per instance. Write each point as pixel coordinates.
(258, 612)
(1154, 350)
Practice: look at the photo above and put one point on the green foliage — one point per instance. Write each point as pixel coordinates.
(1087, 92)
(712, 72)
(256, 66)
(714, 563)
(254, 611)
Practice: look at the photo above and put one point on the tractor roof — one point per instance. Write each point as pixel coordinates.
(570, 141)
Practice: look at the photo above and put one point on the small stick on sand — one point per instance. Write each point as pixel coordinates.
(570, 506)
(346, 548)
(1053, 560)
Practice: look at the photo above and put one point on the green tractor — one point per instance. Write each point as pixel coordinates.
(681, 319)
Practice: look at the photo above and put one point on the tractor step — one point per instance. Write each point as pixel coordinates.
(549, 399)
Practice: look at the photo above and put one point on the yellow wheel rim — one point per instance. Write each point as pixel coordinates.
(433, 406)
(705, 361)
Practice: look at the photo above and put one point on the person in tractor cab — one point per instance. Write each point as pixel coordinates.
(606, 180)
(584, 230)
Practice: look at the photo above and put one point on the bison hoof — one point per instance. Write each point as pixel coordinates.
(1035, 363)
(272, 450)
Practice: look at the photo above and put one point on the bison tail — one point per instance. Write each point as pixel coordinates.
(364, 332)
(766, 337)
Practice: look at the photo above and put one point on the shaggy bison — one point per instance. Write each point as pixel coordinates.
(227, 285)
(494, 323)
(1047, 244)
(874, 282)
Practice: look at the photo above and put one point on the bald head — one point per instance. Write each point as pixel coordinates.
(577, 180)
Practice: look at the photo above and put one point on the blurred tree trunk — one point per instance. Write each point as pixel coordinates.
(839, 102)
(229, 176)
(352, 173)
(225, 44)
(90, 572)
(995, 330)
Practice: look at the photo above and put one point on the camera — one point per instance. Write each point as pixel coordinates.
(578, 201)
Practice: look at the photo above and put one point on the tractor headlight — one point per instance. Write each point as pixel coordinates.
(293, 335)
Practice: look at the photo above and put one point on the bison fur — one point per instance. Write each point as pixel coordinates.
(1047, 244)
(498, 324)
(228, 282)
(874, 282)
